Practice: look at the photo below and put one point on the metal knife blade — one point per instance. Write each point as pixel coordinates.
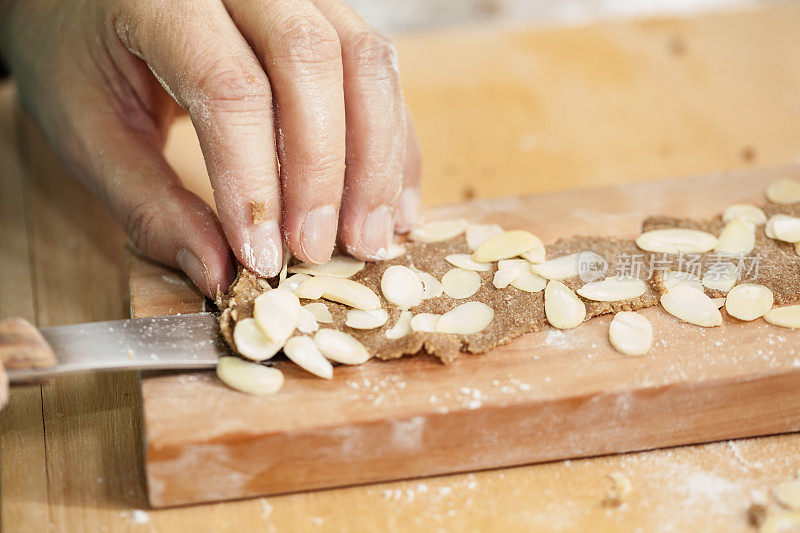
(154, 343)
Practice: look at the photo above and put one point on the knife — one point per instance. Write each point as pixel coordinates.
(175, 342)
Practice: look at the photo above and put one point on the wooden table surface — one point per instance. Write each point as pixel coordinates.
(498, 113)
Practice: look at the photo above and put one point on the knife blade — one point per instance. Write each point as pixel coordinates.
(191, 341)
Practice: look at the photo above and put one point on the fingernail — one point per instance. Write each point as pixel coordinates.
(377, 232)
(194, 268)
(408, 210)
(262, 253)
(319, 233)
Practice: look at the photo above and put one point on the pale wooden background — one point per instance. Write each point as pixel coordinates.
(499, 113)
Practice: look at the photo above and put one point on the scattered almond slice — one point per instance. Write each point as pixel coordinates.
(748, 212)
(307, 322)
(320, 311)
(402, 287)
(291, 283)
(402, 327)
(797, 248)
(535, 255)
(360, 319)
(438, 231)
(248, 377)
(786, 317)
(613, 289)
(431, 287)
(676, 241)
(722, 277)
(303, 352)
(506, 245)
(339, 266)
(719, 302)
(504, 276)
(692, 306)
(277, 312)
(309, 289)
(563, 309)
(783, 228)
(466, 262)
(558, 268)
(459, 283)
(671, 279)
(630, 333)
(395, 250)
(424, 322)
(620, 488)
(525, 280)
(784, 191)
(341, 347)
(782, 522)
(788, 494)
(738, 237)
(466, 319)
(251, 342)
(477, 233)
(342, 290)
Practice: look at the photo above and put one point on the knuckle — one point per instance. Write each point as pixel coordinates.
(140, 225)
(373, 51)
(307, 40)
(323, 167)
(238, 88)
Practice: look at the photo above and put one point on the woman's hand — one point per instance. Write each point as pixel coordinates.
(304, 83)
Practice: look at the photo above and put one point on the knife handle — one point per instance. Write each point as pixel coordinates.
(22, 346)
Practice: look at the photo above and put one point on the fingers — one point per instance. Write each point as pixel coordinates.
(301, 53)
(376, 133)
(200, 58)
(409, 202)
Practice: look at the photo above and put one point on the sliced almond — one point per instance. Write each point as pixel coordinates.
(424, 322)
(459, 283)
(402, 287)
(466, 262)
(339, 266)
(395, 250)
(797, 248)
(691, 305)
(558, 268)
(786, 317)
(784, 191)
(535, 255)
(438, 231)
(781, 522)
(431, 287)
(307, 322)
(287, 257)
(738, 237)
(277, 312)
(749, 301)
(613, 289)
(630, 333)
(309, 289)
(676, 241)
(526, 280)
(360, 319)
(320, 311)
(748, 212)
(721, 276)
(672, 279)
(504, 276)
(251, 342)
(788, 494)
(563, 309)
(477, 233)
(466, 319)
(248, 377)
(402, 327)
(291, 283)
(303, 352)
(341, 347)
(342, 290)
(719, 302)
(506, 245)
(783, 228)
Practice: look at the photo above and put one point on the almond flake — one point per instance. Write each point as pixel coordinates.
(308, 289)
(788, 494)
(438, 231)
(341, 347)
(504, 276)
(359, 319)
(535, 255)
(465, 261)
(506, 245)
(563, 309)
(303, 352)
(477, 233)
(402, 287)
(558, 268)
(783, 228)
(277, 312)
(342, 290)
(672, 279)
(630, 333)
(339, 266)
(424, 322)
(320, 311)
(721, 277)
(719, 302)
(431, 287)
(459, 283)
(786, 317)
(291, 283)
(781, 522)
(748, 212)
(307, 322)
(287, 257)
(251, 342)
(466, 319)
(691, 305)
(738, 237)
(402, 327)
(676, 241)
(784, 191)
(395, 250)
(526, 280)
(613, 289)
(749, 301)
(248, 377)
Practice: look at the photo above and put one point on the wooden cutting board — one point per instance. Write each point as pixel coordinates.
(546, 396)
